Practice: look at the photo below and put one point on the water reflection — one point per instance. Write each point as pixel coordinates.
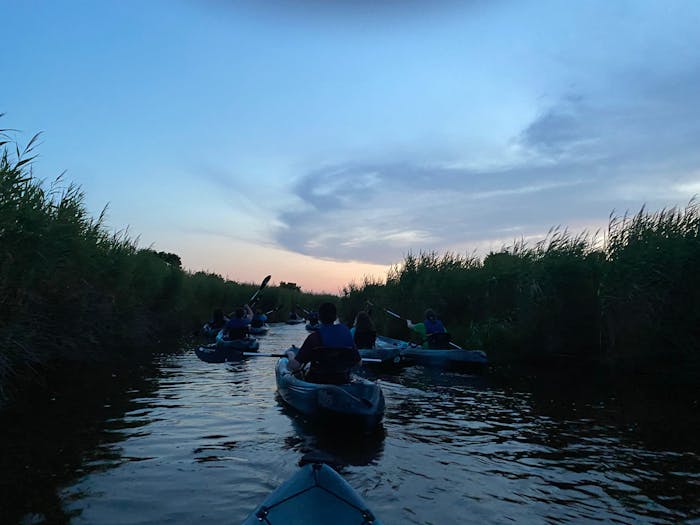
(184, 441)
(335, 446)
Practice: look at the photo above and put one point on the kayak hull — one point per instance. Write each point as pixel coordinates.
(454, 358)
(389, 357)
(259, 330)
(314, 495)
(358, 405)
(226, 349)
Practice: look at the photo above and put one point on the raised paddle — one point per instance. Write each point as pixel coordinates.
(263, 284)
(258, 354)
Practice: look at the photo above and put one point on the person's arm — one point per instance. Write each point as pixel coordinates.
(248, 312)
(410, 324)
(297, 361)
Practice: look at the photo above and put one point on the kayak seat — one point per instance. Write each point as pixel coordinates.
(331, 365)
(439, 340)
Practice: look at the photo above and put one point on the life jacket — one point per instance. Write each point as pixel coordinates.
(336, 336)
(433, 326)
(332, 362)
(237, 328)
(331, 365)
(365, 339)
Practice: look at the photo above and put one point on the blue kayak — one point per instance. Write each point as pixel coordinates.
(226, 349)
(315, 495)
(259, 330)
(209, 331)
(443, 357)
(312, 327)
(358, 404)
(389, 356)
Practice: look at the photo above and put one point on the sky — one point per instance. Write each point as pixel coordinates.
(321, 142)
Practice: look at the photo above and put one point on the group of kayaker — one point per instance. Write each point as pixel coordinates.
(328, 337)
(237, 324)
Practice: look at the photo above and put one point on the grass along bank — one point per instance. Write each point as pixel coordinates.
(73, 291)
(629, 297)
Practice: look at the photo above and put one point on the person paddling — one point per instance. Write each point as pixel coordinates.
(430, 330)
(238, 323)
(218, 320)
(363, 332)
(330, 350)
(259, 319)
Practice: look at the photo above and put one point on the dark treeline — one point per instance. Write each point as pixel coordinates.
(629, 297)
(72, 291)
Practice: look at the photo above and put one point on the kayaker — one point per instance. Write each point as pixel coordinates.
(330, 350)
(259, 319)
(363, 332)
(237, 325)
(428, 329)
(218, 320)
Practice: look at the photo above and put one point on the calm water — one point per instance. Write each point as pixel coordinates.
(182, 441)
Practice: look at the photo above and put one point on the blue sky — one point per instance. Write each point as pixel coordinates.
(322, 143)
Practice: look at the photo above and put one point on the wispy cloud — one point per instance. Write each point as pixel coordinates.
(580, 159)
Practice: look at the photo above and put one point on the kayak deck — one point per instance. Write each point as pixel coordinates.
(315, 494)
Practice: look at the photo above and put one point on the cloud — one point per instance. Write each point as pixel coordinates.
(580, 159)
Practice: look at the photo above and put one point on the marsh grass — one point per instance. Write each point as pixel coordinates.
(72, 291)
(628, 297)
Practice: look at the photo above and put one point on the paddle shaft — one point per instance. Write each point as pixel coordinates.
(394, 314)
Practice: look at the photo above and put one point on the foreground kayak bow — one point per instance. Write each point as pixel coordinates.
(315, 495)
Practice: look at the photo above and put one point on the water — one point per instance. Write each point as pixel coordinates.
(182, 441)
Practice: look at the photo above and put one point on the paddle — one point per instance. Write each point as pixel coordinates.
(263, 284)
(394, 314)
(258, 354)
(275, 309)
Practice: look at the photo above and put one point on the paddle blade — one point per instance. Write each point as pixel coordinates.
(263, 284)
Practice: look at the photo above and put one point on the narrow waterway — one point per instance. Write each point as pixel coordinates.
(182, 441)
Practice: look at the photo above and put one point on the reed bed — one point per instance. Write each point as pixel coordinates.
(629, 297)
(72, 291)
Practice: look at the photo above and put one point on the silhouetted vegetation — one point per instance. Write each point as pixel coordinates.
(630, 297)
(72, 291)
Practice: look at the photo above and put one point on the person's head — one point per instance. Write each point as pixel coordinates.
(327, 313)
(239, 312)
(430, 314)
(363, 321)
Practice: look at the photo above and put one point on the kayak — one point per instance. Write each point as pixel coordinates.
(248, 344)
(312, 327)
(209, 331)
(294, 321)
(389, 356)
(214, 353)
(259, 330)
(444, 358)
(315, 495)
(358, 404)
(226, 349)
